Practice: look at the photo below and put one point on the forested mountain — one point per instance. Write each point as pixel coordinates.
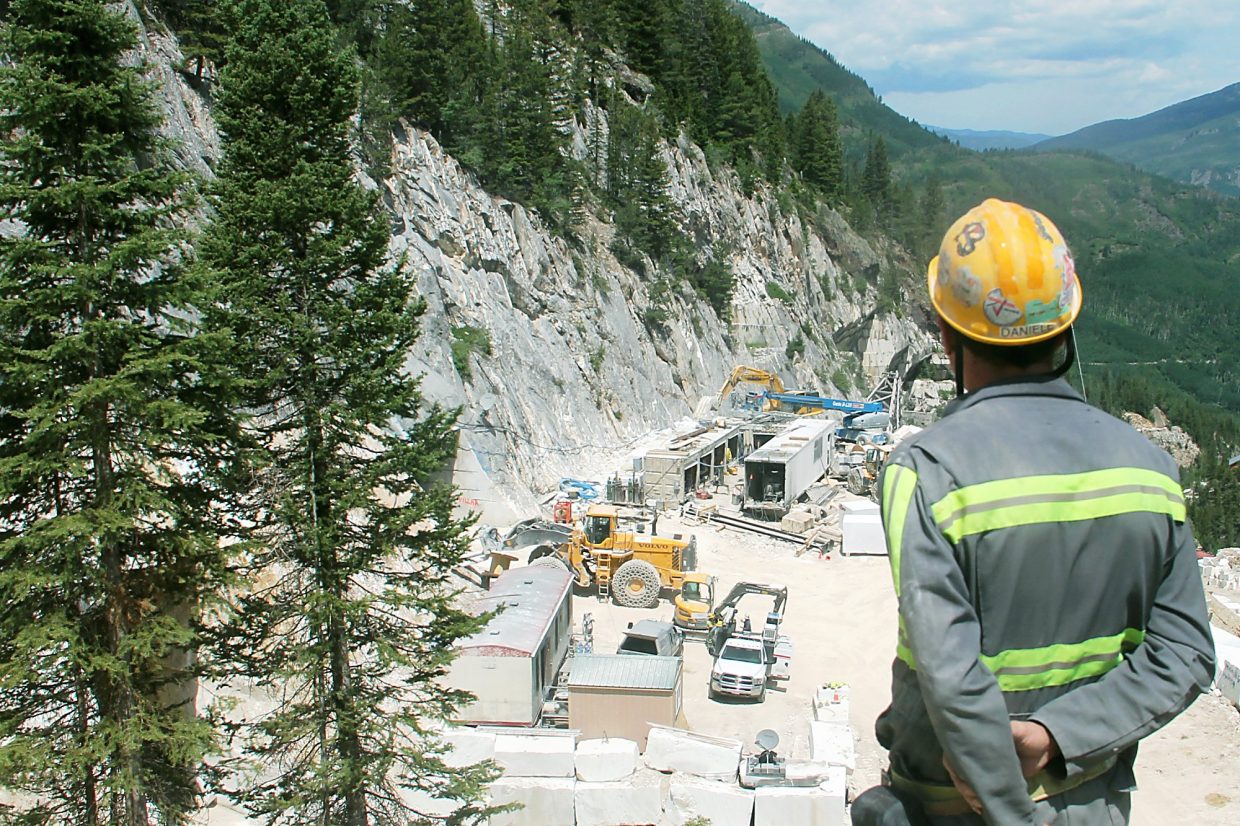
(1195, 141)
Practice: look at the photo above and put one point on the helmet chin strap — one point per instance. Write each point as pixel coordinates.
(1069, 357)
(959, 369)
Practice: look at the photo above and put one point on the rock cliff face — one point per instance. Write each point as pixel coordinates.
(1170, 438)
(574, 377)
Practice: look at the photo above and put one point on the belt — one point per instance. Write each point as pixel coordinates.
(941, 800)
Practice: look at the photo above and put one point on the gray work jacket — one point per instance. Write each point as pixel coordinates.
(1044, 572)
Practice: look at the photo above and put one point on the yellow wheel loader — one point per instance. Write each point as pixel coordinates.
(630, 567)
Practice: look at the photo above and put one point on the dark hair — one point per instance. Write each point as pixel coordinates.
(1022, 356)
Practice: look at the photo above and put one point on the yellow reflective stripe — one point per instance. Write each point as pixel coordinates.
(903, 653)
(899, 482)
(1030, 668)
(1067, 497)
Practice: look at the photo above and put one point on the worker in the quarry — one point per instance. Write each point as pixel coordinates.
(1051, 610)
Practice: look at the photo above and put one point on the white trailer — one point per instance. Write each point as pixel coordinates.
(777, 473)
(510, 665)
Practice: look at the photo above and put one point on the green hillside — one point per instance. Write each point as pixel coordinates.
(1160, 261)
(798, 67)
(1196, 141)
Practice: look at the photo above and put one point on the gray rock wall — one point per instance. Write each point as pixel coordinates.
(574, 378)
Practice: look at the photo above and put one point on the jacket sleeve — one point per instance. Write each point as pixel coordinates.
(941, 635)
(1154, 683)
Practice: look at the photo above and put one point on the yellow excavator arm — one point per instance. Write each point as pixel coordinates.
(753, 375)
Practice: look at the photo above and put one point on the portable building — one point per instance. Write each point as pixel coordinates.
(777, 473)
(613, 695)
(862, 528)
(511, 665)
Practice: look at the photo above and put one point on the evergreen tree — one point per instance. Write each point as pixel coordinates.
(931, 215)
(637, 182)
(350, 622)
(112, 443)
(818, 153)
(876, 178)
(431, 60)
(199, 29)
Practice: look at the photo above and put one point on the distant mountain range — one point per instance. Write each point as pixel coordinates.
(989, 139)
(1196, 141)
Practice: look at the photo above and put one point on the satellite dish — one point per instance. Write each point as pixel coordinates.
(767, 739)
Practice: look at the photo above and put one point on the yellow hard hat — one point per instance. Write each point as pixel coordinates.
(1004, 275)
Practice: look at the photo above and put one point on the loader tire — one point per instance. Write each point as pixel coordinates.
(857, 484)
(636, 584)
(553, 562)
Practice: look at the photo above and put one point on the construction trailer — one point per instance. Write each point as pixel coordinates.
(780, 471)
(510, 666)
(614, 695)
(691, 460)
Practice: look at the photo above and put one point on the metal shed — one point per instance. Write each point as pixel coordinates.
(613, 695)
(511, 664)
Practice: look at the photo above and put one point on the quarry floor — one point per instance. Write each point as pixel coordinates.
(841, 615)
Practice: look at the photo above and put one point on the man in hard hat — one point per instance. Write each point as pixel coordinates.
(1051, 610)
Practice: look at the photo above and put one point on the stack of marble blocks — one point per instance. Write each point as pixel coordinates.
(553, 778)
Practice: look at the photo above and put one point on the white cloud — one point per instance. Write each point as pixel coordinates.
(1050, 67)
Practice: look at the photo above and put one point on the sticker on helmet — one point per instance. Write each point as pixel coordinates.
(1000, 309)
(968, 238)
(1040, 312)
(1025, 330)
(1067, 275)
(1037, 221)
(966, 287)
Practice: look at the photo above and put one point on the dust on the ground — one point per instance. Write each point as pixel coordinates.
(841, 616)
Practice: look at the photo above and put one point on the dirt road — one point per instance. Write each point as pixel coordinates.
(841, 615)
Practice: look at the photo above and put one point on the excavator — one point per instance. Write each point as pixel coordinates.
(623, 565)
(743, 374)
(722, 618)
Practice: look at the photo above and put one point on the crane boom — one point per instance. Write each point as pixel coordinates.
(851, 408)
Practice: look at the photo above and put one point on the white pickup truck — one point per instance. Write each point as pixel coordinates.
(741, 669)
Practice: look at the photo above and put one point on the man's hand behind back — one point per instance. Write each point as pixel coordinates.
(1034, 746)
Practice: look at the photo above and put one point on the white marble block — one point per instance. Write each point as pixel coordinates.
(601, 761)
(468, 747)
(785, 805)
(532, 755)
(723, 804)
(638, 800)
(832, 743)
(544, 800)
(715, 758)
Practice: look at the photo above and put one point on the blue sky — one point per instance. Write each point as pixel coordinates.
(1052, 66)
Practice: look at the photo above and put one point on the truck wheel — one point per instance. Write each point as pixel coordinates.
(636, 584)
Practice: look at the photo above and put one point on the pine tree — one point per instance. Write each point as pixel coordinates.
(817, 151)
(350, 622)
(113, 446)
(876, 178)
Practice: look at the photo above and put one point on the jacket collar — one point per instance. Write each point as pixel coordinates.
(1045, 387)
